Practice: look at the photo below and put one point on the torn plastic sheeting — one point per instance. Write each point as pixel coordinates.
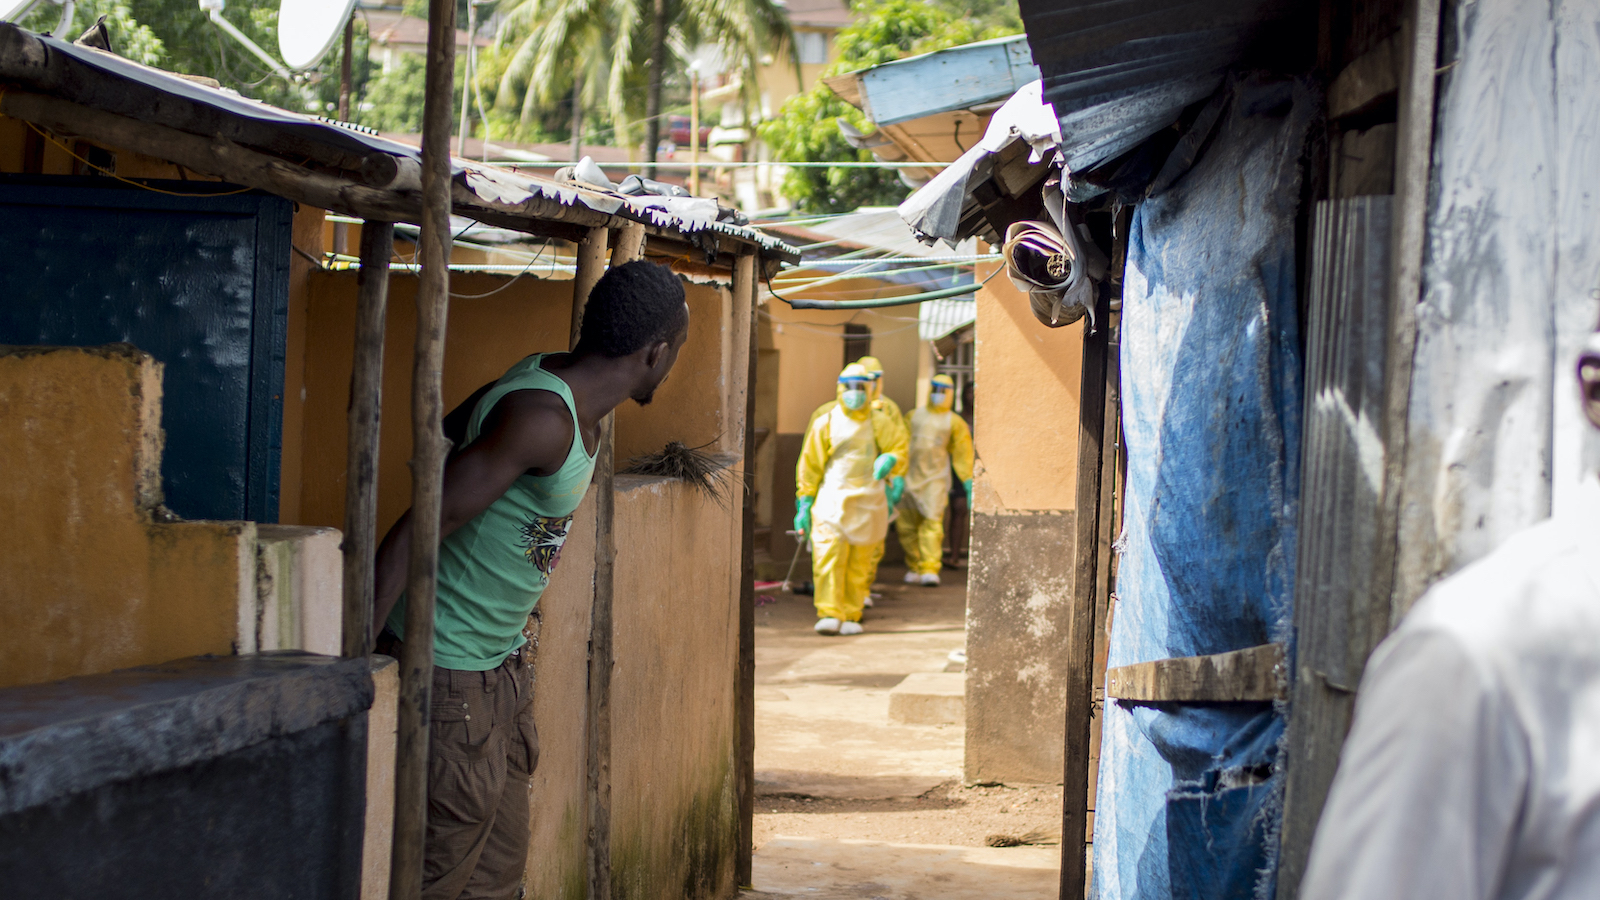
(934, 211)
(1211, 414)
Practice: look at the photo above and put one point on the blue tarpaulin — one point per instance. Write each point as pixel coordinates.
(1189, 797)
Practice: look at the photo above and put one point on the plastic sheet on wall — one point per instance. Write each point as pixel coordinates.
(1496, 439)
(1189, 798)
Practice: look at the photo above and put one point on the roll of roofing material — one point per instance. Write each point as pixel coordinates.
(1042, 262)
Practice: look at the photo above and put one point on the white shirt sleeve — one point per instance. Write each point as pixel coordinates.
(1430, 783)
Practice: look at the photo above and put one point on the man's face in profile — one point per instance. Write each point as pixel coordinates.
(663, 366)
(1589, 378)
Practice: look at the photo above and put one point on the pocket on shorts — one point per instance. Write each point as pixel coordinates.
(525, 750)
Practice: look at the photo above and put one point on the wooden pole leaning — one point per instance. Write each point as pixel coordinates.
(744, 765)
(1081, 631)
(366, 402)
(597, 772)
(429, 449)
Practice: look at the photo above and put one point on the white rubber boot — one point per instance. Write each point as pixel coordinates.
(848, 628)
(913, 578)
(930, 579)
(829, 625)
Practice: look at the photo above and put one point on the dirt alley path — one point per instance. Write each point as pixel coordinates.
(852, 805)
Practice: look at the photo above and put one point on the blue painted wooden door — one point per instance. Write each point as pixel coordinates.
(200, 283)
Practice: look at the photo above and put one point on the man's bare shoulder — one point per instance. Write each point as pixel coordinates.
(535, 425)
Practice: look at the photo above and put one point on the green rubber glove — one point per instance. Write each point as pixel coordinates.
(897, 487)
(882, 465)
(968, 485)
(802, 514)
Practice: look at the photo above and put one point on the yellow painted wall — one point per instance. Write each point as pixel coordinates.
(89, 580)
(674, 820)
(486, 335)
(810, 345)
(1025, 404)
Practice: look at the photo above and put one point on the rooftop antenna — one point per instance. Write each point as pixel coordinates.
(15, 10)
(307, 30)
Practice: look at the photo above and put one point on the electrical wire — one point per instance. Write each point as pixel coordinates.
(51, 138)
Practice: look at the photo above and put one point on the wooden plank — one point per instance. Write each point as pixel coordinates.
(966, 76)
(1368, 79)
(1254, 673)
(429, 449)
(214, 156)
(1413, 156)
(361, 468)
(744, 294)
(1080, 639)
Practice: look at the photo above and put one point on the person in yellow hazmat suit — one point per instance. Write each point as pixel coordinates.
(840, 498)
(940, 440)
(896, 484)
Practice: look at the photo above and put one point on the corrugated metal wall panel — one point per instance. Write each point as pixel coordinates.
(1341, 485)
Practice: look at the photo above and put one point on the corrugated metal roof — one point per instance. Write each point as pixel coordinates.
(1118, 71)
(360, 171)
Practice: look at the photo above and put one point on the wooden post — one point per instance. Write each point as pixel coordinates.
(744, 763)
(694, 129)
(344, 70)
(427, 464)
(1081, 632)
(597, 808)
(591, 265)
(366, 402)
(1413, 156)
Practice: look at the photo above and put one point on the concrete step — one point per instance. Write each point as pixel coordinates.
(929, 698)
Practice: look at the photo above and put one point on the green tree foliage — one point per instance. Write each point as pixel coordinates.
(544, 47)
(394, 99)
(177, 35)
(807, 127)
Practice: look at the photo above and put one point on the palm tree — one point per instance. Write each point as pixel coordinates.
(574, 46)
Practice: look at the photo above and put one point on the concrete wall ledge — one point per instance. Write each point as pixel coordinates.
(67, 737)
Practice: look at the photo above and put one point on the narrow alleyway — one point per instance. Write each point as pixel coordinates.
(852, 804)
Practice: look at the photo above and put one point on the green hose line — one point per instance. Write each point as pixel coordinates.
(906, 300)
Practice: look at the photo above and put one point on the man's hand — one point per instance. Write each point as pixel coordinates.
(802, 514)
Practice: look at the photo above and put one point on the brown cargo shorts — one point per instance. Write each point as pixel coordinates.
(482, 750)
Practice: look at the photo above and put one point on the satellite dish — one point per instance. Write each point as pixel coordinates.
(12, 10)
(307, 29)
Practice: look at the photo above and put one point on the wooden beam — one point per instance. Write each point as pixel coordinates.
(597, 770)
(361, 466)
(744, 295)
(1079, 656)
(591, 264)
(429, 449)
(1413, 156)
(216, 156)
(1254, 673)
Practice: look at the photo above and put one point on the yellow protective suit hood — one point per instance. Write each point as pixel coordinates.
(875, 370)
(854, 392)
(941, 383)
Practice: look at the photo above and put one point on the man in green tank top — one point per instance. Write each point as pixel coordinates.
(523, 458)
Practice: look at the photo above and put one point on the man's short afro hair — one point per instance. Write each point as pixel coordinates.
(633, 305)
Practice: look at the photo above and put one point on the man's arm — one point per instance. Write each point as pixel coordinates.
(525, 430)
(1430, 781)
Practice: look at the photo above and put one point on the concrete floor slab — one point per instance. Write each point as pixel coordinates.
(929, 698)
(875, 870)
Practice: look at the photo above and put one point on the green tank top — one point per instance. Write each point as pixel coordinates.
(493, 569)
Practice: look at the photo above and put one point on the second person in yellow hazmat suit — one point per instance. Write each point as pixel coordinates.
(940, 440)
(895, 485)
(840, 498)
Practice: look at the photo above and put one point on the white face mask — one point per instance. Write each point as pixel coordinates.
(854, 399)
